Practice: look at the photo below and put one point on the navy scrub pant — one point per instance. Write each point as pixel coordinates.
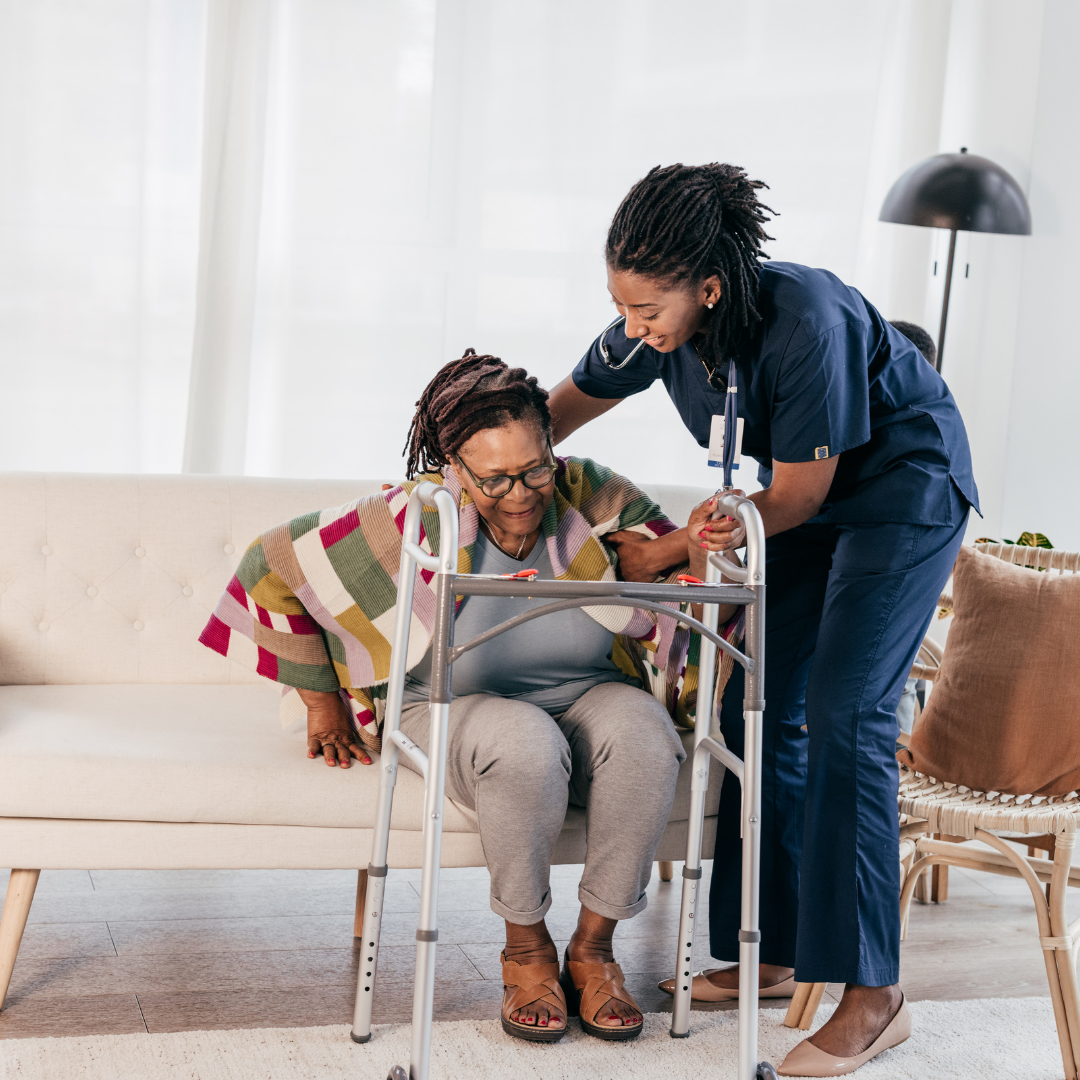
(847, 607)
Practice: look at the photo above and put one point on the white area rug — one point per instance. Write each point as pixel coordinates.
(953, 1040)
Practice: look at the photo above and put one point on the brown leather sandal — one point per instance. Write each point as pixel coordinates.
(588, 987)
(528, 984)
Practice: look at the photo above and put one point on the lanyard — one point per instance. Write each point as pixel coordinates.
(731, 423)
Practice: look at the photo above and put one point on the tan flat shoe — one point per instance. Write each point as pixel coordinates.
(807, 1060)
(701, 989)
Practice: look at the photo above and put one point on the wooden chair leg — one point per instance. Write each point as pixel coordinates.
(361, 896)
(798, 1004)
(922, 887)
(804, 1005)
(939, 884)
(20, 895)
(667, 870)
(812, 1004)
(1063, 954)
(939, 875)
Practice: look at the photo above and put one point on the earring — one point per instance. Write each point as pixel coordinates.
(709, 306)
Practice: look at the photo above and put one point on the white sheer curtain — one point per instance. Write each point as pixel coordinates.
(240, 235)
(100, 135)
(441, 175)
(426, 175)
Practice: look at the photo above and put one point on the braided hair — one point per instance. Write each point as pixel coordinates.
(472, 394)
(682, 224)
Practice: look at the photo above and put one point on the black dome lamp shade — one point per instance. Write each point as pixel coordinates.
(957, 192)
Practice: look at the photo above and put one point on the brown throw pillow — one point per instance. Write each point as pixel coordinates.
(1004, 714)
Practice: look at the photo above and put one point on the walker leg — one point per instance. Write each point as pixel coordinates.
(369, 944)
(749, 932)
(375, 890)
(388, 766)
(680, 1011)
(699, 783)
(427, 934)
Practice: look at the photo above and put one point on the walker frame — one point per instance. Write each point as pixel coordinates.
(749, 591)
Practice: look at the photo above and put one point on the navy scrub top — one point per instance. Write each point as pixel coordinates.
(824, 374)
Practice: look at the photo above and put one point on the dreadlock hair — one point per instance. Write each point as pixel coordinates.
(685, 223)
(469, 395)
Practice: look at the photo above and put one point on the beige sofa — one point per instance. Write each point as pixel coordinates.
(124, 743)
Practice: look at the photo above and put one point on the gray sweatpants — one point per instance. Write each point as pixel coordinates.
(614, 752)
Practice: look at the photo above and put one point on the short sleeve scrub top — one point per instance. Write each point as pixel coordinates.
(850, 595)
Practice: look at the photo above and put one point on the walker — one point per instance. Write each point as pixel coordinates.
(432, 765)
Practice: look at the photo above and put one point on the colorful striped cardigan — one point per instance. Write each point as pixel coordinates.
(312, 602)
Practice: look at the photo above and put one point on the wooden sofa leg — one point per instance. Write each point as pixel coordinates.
(20, 895)
(667, 870)
(361, 896)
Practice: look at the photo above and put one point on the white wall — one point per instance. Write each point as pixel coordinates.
(1041, 491)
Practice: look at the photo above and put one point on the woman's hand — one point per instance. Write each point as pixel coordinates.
(330, 732)
(642, 558)
(635, 558)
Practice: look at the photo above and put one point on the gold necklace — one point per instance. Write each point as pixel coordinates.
(487, 528)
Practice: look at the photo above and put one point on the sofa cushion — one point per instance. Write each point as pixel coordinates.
(196, 753)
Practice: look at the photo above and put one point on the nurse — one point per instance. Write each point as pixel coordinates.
(867, 485)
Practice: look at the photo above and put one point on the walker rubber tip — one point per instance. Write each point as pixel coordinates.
(678, 1034)
(360, 1038)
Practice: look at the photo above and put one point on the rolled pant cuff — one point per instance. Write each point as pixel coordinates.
(609, 911)
(522, 918)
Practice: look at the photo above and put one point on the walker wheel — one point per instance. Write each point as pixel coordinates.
(398, 1073)
(765, 1071)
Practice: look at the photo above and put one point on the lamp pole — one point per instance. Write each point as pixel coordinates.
(945, 300)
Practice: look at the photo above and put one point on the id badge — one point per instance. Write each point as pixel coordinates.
(716, 442)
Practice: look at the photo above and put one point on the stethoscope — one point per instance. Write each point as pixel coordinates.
(731, 397)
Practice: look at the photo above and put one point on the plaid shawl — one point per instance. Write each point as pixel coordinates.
(312, 602)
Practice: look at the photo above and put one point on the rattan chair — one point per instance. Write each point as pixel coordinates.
(939, 822)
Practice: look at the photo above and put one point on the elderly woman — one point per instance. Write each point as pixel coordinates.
(551, 712)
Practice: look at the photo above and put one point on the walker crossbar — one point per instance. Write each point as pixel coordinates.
(567, 594)
(592, 601)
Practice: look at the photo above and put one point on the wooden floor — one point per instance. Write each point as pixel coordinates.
(128, 951)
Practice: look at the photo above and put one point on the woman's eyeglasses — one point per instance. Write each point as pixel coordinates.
(495, 487)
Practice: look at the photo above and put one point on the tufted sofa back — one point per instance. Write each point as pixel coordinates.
(111, 578)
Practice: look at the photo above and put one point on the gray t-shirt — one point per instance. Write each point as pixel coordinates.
(549, 662)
